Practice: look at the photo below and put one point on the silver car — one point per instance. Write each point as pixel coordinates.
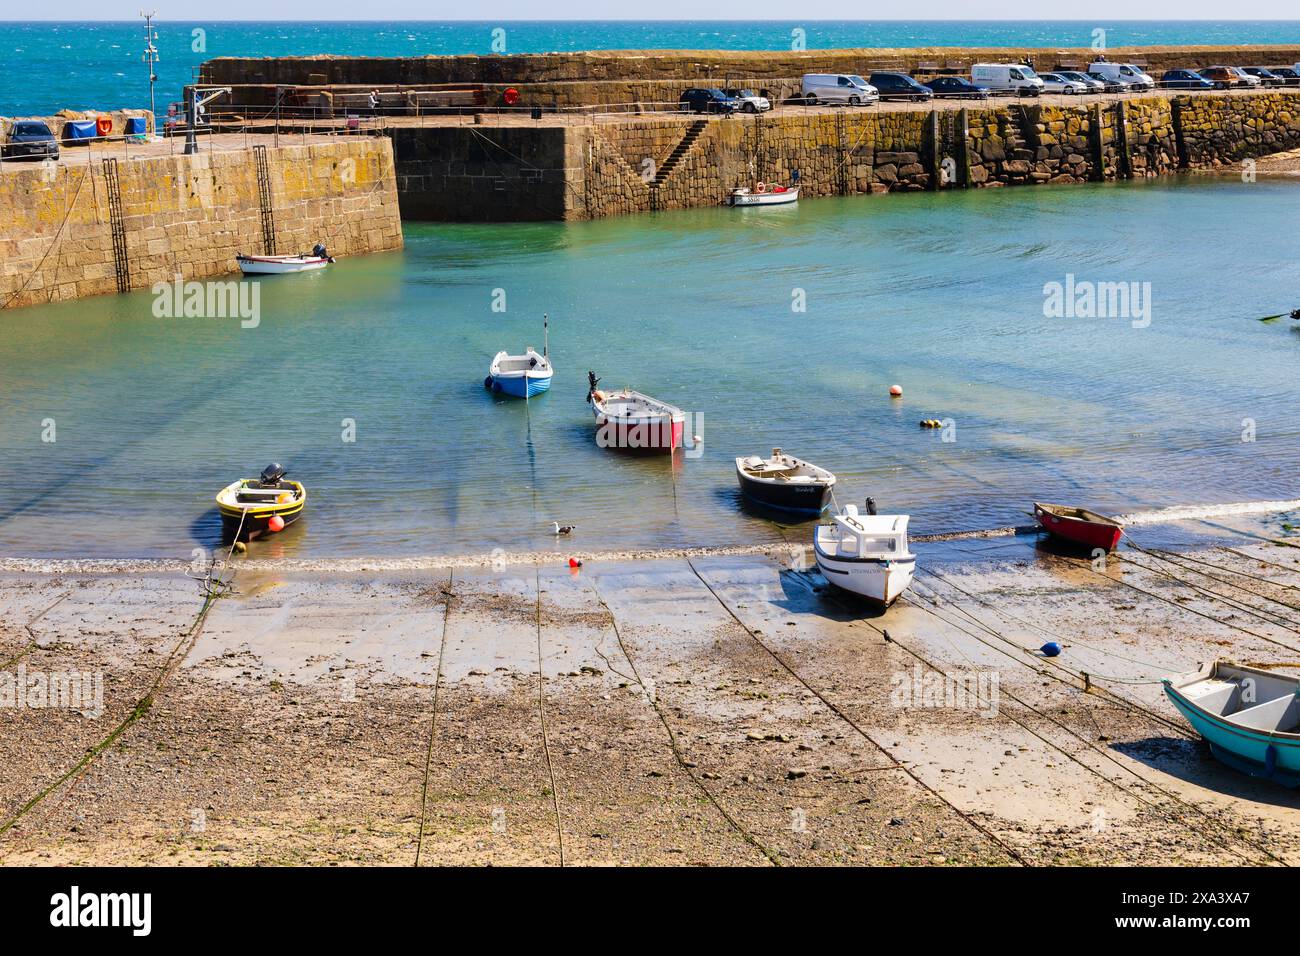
(1058, 83)
(1083, 79)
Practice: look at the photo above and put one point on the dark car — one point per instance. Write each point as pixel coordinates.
(705, 100)
(1108, 85)
(899, 86)
(957, 87)
(1185, 80)
(1288, 75)
(30, 139)
(1266, 77)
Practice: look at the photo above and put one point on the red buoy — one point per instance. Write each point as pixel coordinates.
(511, 96)
(276, 523)
(896, 391)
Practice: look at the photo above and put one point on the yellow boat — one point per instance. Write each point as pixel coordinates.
(248, 505)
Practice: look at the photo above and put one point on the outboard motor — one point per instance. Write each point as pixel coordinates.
(871, 506)
(272, 474)
(319, 251)
(592, 382)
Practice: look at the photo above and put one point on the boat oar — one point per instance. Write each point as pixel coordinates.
(1294, 313)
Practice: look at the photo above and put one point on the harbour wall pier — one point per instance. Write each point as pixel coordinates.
(565, 170)
(93, 226)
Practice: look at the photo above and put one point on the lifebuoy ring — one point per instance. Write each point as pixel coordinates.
(511, 96)
(761, 188)
(103, 125)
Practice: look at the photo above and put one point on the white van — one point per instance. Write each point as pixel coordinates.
(1006, 78)
(838, 88)
(1132, 77)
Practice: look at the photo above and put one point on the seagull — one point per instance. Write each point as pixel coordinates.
(563, 529)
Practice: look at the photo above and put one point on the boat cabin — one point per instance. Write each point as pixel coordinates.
(870, 537)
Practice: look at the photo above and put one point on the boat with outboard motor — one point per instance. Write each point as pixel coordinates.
(785, 482)
(252, 507)
(866, 554)
(319, 258)
(763, 195)
(632, 421)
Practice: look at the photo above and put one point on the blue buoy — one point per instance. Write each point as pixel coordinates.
(1050, 649)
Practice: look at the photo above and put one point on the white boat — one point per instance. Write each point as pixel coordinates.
(632, 421)
(763, 195)
(279, 265)
(866, 554)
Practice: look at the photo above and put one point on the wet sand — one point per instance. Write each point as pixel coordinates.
(688, 709)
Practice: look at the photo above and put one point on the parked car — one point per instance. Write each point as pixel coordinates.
(1288, 75)
(899, 86)
(707, 100)
(1056, 83)
(957, 87)
(1221, 77)
(838, 88)
(1007, 78)
(1107, 84)
(750, 102)
(1093, 85)
(1131, 76)
(1254, 82)
(1265, 76)
(1185, 80)
(30, 139)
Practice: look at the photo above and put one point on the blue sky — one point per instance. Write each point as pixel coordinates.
(176, 10)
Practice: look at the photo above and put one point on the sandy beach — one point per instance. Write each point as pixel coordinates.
(690, 709)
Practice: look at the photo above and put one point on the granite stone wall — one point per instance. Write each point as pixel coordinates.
(186, 215)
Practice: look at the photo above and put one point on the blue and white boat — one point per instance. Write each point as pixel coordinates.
(522, 376)
(1249, 717)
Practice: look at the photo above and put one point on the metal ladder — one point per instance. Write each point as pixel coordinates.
(264, 197)
(116, 226)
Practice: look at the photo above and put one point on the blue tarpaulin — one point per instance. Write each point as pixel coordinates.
(79, 129)
(136, 126)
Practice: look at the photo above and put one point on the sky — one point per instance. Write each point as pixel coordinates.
(180, 10)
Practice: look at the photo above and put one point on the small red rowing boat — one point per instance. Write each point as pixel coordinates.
(1078, 525)
(632, 421)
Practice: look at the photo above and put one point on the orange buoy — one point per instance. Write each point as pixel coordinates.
(276, 523)
(896, 391)
(511, 96)
(761, 188)
(103, 125)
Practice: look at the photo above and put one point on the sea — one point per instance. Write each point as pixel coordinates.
(97, 65)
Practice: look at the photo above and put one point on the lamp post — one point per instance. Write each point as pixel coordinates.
(150, 57)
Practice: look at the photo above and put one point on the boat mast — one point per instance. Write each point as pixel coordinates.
(546, 327)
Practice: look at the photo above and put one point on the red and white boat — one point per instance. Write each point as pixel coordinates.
(1079, 525)
(763, 194)
(629, 420)
(279, 265)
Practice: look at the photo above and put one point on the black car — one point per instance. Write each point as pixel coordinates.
(30, 139)
(706, 100)
(899, 86)
(1288, 75)
(1266, 77)
(1108, 85)
(957, 87)
(1185, 80)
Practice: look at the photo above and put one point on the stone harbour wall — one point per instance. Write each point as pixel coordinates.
(187, 215)
(644, 164)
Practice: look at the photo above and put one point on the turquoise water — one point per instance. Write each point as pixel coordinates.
(940, 293)
(97, 65)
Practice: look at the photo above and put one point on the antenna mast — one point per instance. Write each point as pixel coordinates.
(150, 57)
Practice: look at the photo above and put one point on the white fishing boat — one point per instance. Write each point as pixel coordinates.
(280, 265)
(866, 554)
(522, 376)
(763, 195)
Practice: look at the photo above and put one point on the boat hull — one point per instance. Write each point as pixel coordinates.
(879, 581)
(275, 265)
(649, 436)
(519, 386)
(1087, 534)
(807, 497)
(246, 521)
(1242, 748)
(254, 525)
